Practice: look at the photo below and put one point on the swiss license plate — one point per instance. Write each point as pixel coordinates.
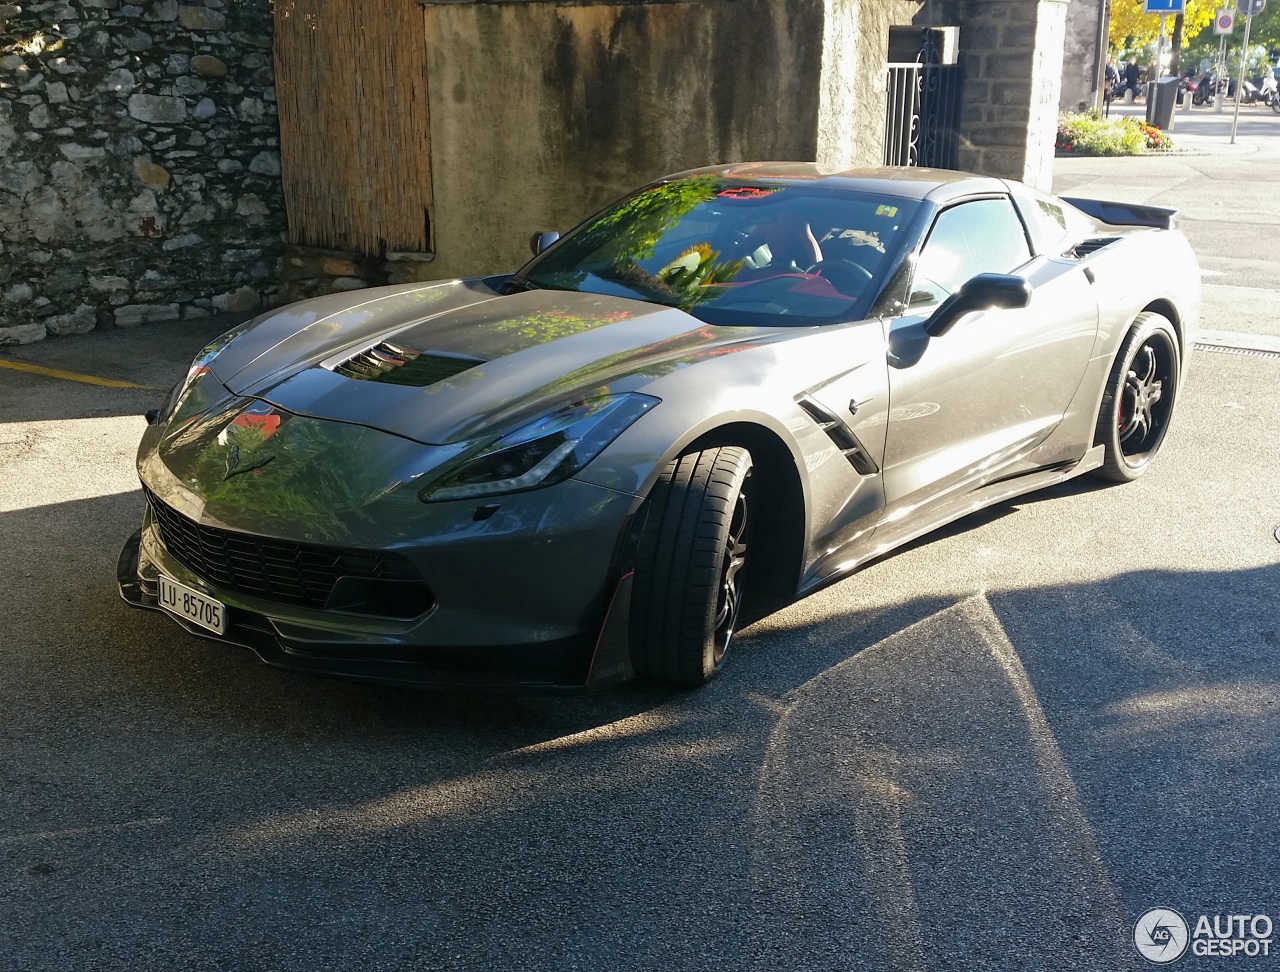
(195, 607)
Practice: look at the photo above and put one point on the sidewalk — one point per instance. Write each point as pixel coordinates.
(1204, 131)
(1228, 202)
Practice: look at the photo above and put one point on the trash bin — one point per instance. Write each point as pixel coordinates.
(1162, 95)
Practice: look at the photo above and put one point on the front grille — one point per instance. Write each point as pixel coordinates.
(293, 573)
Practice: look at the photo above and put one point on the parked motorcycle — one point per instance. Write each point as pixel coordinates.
(1261, 90)
(1206, 87)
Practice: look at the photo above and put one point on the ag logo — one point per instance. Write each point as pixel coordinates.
(1160, 936)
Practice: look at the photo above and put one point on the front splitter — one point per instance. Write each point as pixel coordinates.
(564, 666)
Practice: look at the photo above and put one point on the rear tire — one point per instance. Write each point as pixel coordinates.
(693, 532)
(1138, 403)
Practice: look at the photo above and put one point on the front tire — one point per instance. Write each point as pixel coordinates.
(1138, 403)
(693, 532)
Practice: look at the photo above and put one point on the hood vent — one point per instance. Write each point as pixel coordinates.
(1085, 247)
(395, 365)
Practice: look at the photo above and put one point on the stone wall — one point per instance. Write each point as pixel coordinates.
(139, 165)
(310, 271)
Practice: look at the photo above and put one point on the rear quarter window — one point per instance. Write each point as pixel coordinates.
(1052, 224)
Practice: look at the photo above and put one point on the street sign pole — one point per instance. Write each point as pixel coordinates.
(1224, 22)
(1220, 70)
(1244, 52)
(1173, 114)
(1160, 48)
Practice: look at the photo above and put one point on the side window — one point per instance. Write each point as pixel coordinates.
(983, 236)
(1054, 225)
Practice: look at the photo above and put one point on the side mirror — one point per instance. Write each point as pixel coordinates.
(984, 291)
(542, 239)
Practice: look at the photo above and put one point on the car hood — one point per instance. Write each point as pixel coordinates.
(445, 363)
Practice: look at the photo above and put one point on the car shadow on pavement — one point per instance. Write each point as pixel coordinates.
(870, 777)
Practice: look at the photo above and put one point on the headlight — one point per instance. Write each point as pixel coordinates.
(542, 453)
(182, 391)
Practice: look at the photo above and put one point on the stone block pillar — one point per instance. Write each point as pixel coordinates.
(1082, 60)
(1012, 54)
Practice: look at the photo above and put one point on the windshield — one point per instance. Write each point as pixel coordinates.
(734, 252)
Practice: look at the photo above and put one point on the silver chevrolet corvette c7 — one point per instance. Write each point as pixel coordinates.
(735, 382)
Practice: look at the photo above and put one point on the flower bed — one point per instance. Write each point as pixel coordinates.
(1090, 134)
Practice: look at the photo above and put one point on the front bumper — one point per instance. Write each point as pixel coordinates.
(511, 611)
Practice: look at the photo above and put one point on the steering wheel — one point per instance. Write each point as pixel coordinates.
(846, 276)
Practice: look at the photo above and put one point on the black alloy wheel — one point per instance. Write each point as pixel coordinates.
(693, 533)
(1138, 404)
(733, 558)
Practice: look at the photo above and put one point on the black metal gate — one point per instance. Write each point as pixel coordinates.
(922, 110)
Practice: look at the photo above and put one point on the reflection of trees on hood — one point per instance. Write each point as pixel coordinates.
(660, 358)
(529, 330)
(322, 474)
(514, 334)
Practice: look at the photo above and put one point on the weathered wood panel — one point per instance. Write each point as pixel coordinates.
(355, 141)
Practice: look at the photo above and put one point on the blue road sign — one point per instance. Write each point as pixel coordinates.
(1164, 6)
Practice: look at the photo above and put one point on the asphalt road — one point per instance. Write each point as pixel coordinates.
(993, 750)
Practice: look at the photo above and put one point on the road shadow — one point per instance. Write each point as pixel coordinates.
(1016, 774)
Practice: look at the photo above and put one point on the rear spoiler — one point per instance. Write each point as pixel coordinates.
(1126, 214)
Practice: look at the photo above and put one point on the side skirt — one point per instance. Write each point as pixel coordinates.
(895, 535)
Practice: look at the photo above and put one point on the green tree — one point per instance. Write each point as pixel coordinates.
(1264, 30)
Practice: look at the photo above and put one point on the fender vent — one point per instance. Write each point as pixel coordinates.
(841, 435)
(1085, 247)
(401, 366)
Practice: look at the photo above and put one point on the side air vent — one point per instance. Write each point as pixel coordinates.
(841, 435)
(1085, 247)
(400, 366)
